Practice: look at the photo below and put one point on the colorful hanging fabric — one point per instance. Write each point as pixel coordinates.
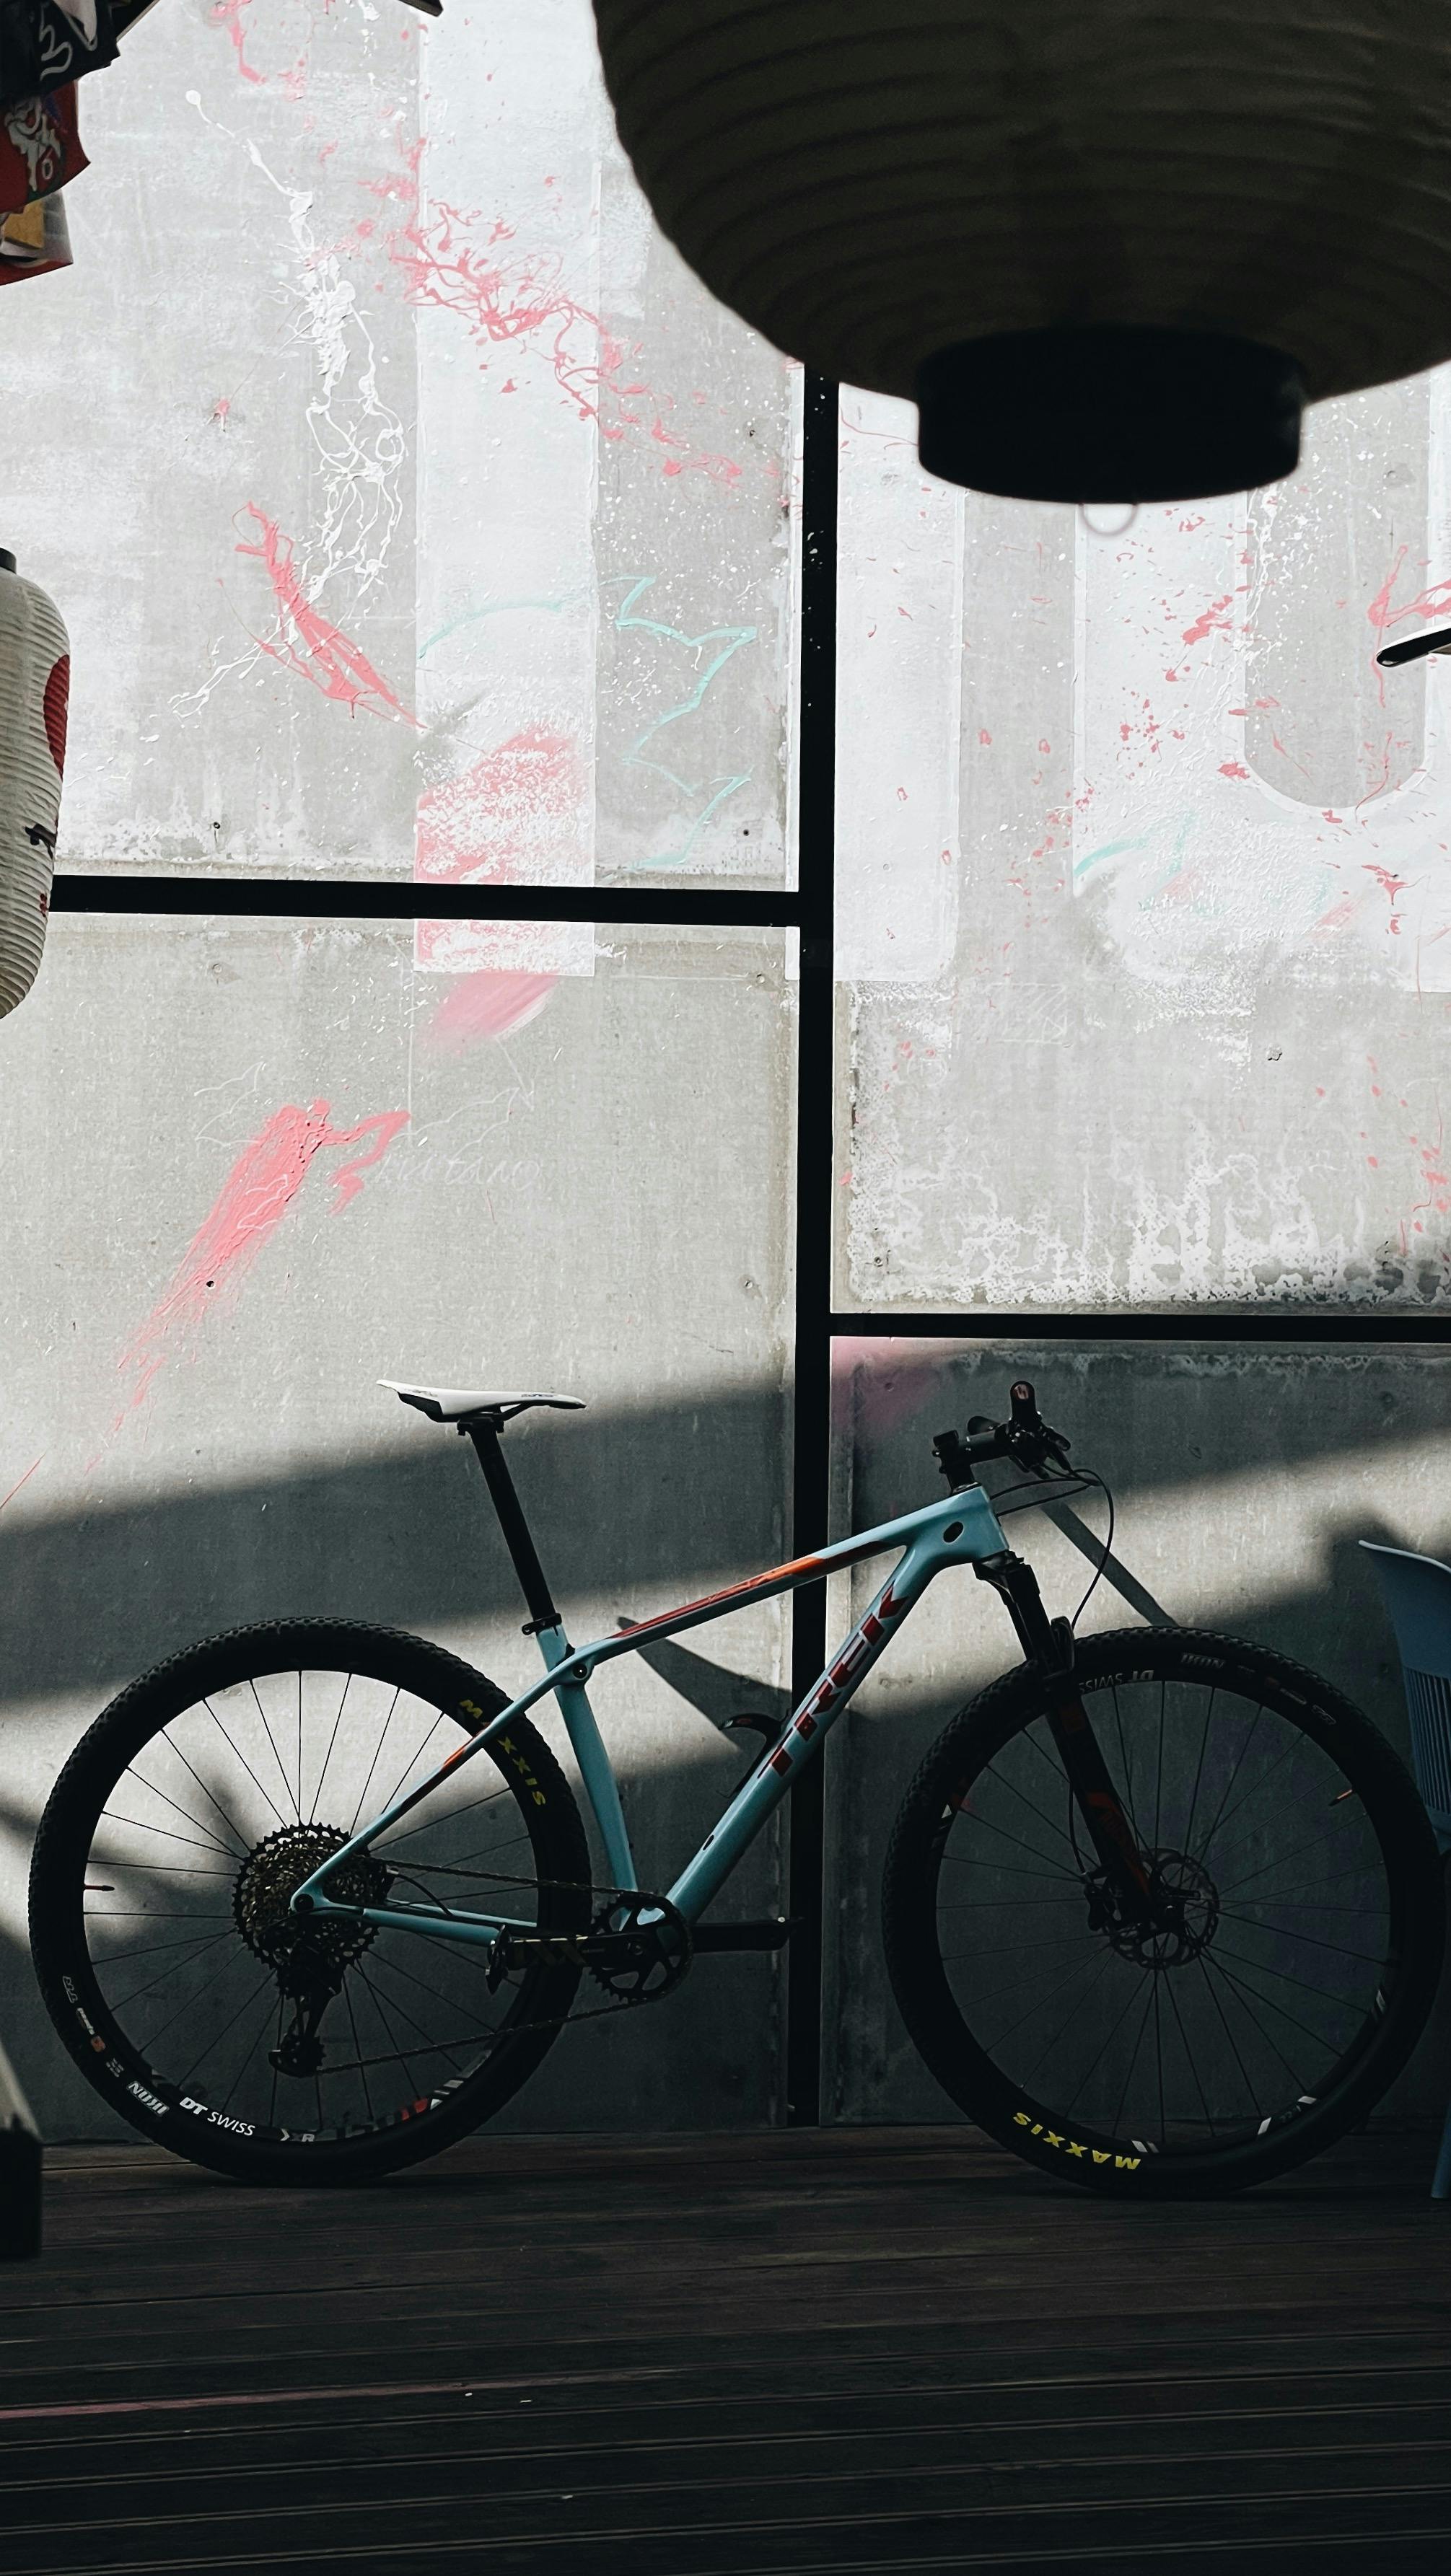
(40, 147)
(45, 43)
(34, 239)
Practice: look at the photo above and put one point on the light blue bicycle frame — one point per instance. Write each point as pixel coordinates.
(960, 1530)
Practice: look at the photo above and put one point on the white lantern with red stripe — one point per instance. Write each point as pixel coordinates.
(35, 670)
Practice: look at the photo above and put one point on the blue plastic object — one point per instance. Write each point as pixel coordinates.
(1417, 1594)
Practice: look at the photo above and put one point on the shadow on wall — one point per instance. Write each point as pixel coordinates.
(642, 1508)
(629, 1505)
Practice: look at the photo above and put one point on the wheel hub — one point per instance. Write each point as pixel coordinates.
(1178, 1923)
(310, 1952)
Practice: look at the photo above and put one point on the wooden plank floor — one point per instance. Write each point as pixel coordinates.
(852, 2350)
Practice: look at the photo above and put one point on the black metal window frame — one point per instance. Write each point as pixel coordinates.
(809, 908)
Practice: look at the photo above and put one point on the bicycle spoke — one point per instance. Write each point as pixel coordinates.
(396, 1790)
(228, 1820)
(490, 1798)
(1189, 2054)
(1103, 2049)
(167, 1834)
(1095, 1962)
(276, 1756)
(358, 2045)
(1234, 1775)
(1040, 1812)
(124, 2003)
(228, 2026)
(1317, 1844)
(387, 2025)
(1199, 1769)
(267, 1800)
(1103, 1960)
(1243, 1996)
(1322, 1994)
(189, 2002)
(1211, 1991)
(1116, 2124)
(264, 1996)
(1367, 1957)
(1256, 1791)
(332, 1739)
(1243, 1988)
(373, 1765)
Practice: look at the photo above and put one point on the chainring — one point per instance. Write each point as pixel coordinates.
(638, 1947)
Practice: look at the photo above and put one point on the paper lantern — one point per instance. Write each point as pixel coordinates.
(1111, 248)
(35, 672)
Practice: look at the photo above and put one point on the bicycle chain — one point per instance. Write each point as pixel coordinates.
(612, 1897)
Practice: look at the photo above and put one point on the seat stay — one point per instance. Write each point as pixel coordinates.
(960, 1529)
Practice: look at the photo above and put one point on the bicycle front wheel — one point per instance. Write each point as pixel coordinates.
(226, 2027)
(1295, 1944)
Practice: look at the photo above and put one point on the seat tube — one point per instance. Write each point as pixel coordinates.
(600, 1785)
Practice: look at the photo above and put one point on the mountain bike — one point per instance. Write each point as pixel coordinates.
(1162, 1910)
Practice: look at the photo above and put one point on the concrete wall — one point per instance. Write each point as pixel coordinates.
(1147, 912)
(198, 1313)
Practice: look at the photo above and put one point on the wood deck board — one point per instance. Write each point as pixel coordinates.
(852, 2350)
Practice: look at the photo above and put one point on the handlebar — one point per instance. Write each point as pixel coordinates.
(1025, 1438)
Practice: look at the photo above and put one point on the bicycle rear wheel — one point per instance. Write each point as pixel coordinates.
(218, 2023)
(1300, 1931)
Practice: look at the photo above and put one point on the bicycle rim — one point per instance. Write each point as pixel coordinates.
(1298, 1939)
(189, 1994)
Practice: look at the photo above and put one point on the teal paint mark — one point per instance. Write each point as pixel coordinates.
(1110, 850)
(731, 639)
(1176, 864)
(494, 608)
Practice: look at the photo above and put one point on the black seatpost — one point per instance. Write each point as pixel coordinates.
(484, 1429)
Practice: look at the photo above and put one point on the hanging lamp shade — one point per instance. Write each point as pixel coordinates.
(35, 672)
(1111, 247)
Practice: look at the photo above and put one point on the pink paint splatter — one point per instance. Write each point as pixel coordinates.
(1233, 769)
(322, 654)
(1392, 887)
(230, 16)
(514, 817)
(487, 1005)
(467, 264)
(1210, 618)
(1431, 603)
(255, 1197)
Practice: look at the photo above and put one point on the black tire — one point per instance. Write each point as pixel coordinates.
(180, 1843)
(1030, 2004)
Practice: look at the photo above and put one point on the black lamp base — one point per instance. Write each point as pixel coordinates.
(1109, 413)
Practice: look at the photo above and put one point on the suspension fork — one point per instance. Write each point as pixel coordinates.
(1048, 1643)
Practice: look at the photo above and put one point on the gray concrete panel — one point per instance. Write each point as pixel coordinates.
(248, 1174)
(1244, 1478)
(1147, 933)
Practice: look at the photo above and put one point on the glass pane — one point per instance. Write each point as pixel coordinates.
(1147, 902)
(418, 503)
(1230, 1467)
(281, 1165)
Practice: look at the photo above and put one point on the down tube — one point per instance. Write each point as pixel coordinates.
(803, 1737)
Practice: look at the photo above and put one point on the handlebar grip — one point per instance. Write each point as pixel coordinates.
(1024, 1404)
